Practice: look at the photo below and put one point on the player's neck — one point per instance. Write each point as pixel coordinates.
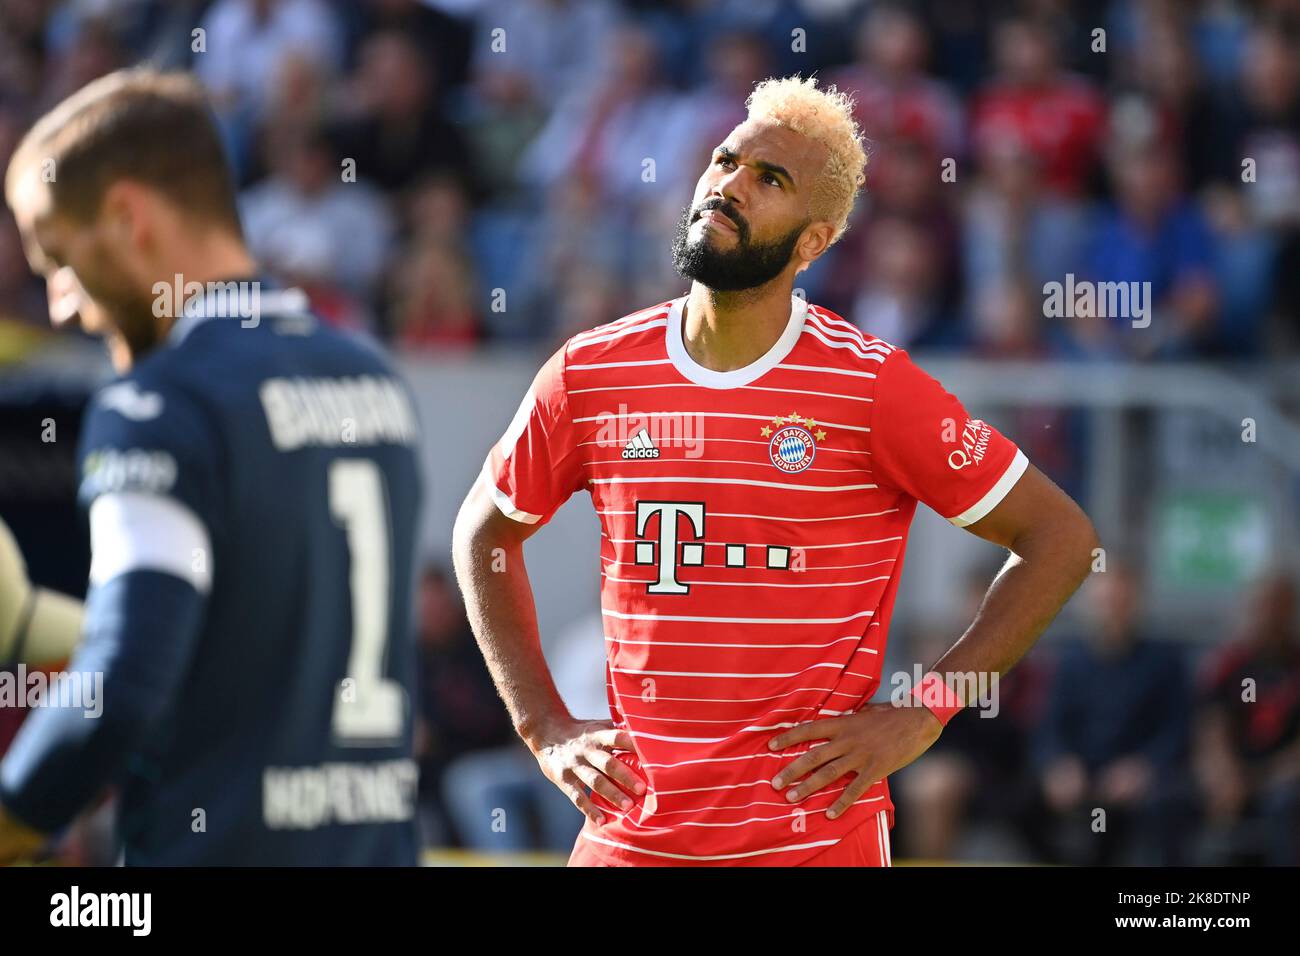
(219, 258)
(724, 331)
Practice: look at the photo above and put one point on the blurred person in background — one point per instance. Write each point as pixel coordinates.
(301, 98)
(573, 238)
(394, 125)
(500, 802)
(306, 199)
(1057, 116)
(965, 797)
(904, 188)
(607, 131)
(1012, 225)
(92, 51)
(1009, 324)
(1248, 733)
(1245, 258)
(459, 711)
(541, 50)
(901, 295)
(442, 36)
(1151, 233)
(244, 42)
(894, 98)
(1162, 69)
(1262, 124)
(433, 301)
(1114, 736)
(703, 115)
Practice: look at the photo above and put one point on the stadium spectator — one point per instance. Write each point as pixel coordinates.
(307, 201)
(434, 298)
(901, 296)
(1059, 117)
(1012, 225)
(1152, 234)
(1248, 734)
(972, 786)
(541, 50)
(396, 129)
(1114, 735)
(895, 97)
(242, 45)
(458, 709)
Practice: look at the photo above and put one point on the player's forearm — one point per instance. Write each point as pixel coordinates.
(138, 643)
(1046, 567)
(499, 602)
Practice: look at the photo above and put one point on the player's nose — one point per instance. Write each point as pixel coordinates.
(729, 189)
(65, 295)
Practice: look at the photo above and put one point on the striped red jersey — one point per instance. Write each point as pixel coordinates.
(753, 524)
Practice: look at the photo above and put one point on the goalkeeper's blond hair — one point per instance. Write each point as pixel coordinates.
(826, 116)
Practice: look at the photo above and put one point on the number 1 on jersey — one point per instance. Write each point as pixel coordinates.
(371, 709)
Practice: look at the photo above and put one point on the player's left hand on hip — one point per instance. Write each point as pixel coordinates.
(869, 745)
(18, 842)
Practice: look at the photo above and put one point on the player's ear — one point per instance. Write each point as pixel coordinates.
(816, 239)
(122, 214)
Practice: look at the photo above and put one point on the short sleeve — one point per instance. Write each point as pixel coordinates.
(536, 466)
(925, 444)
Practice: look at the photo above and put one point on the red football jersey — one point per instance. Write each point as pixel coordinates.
(753, 526)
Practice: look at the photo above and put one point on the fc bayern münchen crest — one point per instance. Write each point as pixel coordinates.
(792, 449)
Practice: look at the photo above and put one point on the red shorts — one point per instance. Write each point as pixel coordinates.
(865, 845)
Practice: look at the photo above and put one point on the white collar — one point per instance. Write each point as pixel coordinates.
(213, 304)
(697, 373)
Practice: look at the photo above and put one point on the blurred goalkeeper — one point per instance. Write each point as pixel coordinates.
(253, 490)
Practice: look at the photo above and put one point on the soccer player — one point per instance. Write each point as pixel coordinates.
(755, 462)
(252, 486)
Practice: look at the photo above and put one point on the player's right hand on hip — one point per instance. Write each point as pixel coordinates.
(578, 756)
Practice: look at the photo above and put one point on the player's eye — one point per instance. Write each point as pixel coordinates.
(724, 161)
(771, 179)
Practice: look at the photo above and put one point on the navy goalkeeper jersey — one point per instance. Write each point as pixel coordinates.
(258, 686)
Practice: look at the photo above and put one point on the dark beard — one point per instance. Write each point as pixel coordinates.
(129, 317)
(747, 266)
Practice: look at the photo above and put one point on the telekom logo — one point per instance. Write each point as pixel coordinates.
(692, 551)
(669, 551)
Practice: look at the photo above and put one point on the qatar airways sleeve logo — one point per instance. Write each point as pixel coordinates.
(975, 435)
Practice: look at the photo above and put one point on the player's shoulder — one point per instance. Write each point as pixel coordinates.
(843, 345)
(626, 338)
(151, 395)
(142, 432)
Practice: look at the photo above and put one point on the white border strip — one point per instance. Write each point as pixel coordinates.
(995, 494)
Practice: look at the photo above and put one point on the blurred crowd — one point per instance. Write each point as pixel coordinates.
(1122, 744)
(447, 173)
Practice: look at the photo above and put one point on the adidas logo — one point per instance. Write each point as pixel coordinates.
(640, 446)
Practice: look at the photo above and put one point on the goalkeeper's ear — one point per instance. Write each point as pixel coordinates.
(36, 626)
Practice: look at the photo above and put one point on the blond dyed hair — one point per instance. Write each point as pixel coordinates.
(826, 116)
